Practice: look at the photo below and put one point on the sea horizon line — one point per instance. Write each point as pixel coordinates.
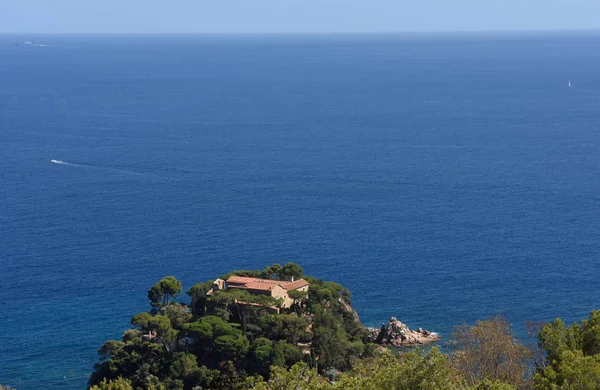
(516, 32)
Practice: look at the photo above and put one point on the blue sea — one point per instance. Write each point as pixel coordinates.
(443, 179)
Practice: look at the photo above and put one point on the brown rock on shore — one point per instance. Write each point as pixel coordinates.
(397, 334)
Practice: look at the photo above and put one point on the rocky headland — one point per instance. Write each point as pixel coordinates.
(397, 334)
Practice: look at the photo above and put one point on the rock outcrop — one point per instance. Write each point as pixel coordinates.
(349, 308)
(397, 334)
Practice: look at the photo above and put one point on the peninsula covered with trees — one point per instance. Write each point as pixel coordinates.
(280, 329)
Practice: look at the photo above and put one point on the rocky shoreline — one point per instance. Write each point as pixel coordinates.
(397, 334)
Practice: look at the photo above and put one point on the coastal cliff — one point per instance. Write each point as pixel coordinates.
(239, 327)
(280, 329)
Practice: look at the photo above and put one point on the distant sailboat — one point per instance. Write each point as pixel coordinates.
(569, 85)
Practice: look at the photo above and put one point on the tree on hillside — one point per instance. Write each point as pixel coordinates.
(288, 327)
(495, 385)
(555, 338)
(262, 356)
(330, 342)
(574, 371)
(299, 377)
(291, 271)
(115, 384)
(590, 334)
(298, 300)
(489, 350)
(288, 272)
(159, 325)
(178, 313)
(572, 355)
(411, 371)
(217, 339)
(242, 272)
(199, 298)
(271, 272)
(159, 294)
(220, 304)
(184, 368)
(133, 359)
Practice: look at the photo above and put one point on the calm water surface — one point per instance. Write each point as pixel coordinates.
(443, 180)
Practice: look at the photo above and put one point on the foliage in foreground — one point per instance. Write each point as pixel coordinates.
(489, 350)
(115, 384)
(486, 356)
(216, 343)
(572, 358)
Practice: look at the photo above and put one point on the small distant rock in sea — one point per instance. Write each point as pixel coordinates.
(397, 334)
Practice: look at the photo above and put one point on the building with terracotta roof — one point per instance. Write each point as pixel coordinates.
(277, 289)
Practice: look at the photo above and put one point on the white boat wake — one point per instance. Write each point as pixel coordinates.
(125, 169)
(60, 162)
(100, 167)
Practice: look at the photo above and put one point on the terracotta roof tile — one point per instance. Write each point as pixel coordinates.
(241, 279)
(264, 284)
(297, 284)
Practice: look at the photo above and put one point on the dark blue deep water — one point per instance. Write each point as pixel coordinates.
(443, 180)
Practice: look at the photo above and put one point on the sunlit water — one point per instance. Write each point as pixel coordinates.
(443, 180)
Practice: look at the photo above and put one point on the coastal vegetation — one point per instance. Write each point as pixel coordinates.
(277, 329)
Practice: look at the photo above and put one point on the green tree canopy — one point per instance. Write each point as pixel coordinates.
(572, 355)
(288, 327)
(166, 288)
(573, 371)
(115, 384)
(178, 314)
(236, 339)
(291, 271)
(412, 371)
(299, 377)
(271, 272)
(198, 292)
(590, 334)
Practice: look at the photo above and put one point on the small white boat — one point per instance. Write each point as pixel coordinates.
(569, 85)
